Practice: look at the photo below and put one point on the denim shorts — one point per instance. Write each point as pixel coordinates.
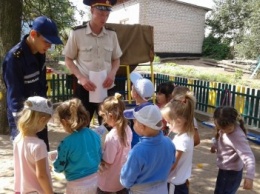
(228, 181)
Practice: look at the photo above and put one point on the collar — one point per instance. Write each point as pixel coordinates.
(25, 46)
(152, 140)
(29, 56)
(89, 31)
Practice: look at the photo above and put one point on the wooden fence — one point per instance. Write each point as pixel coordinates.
(209, 95)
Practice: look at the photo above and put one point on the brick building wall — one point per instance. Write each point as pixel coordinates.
(178, 27)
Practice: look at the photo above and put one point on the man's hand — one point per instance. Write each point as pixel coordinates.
(109, 80)
(87, 84)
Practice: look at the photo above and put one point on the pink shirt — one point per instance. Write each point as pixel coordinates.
(234, 153)
(115, 154)
(26, 152)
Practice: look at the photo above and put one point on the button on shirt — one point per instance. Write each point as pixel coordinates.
(92, 52)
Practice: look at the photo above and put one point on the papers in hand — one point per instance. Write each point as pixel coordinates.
(101, 131)
(100, 92)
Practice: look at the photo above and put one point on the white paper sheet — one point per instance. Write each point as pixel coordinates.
(100, 92)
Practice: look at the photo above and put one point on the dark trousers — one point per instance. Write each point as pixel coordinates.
(228, 181)
(123, 191)
(91, 107)
(180, 189)
(44, 136)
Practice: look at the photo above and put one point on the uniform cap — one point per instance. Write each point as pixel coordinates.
(39, 104)
(47, 28)
(104, 5)
(147, 113)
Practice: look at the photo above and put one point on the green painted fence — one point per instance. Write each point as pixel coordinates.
(209, 95)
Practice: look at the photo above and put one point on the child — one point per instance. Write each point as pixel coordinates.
(182, 90)
(116, 147)
(179, 113)
(79, 154)
(31, 167)
(142, 90)
(233, 152)
(149, 162)
(163, 96)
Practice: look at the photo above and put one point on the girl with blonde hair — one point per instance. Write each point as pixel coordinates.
(179, 114)
(31, 167)
(116, 147)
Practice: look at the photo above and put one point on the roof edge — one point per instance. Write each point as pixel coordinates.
(193, 5)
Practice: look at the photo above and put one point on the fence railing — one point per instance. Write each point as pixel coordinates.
(209, 95)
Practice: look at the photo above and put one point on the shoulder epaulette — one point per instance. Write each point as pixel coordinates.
(18, 53)
(109, 28)
(79, 27)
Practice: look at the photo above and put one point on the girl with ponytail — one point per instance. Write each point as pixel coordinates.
(79, 154)
(116, 146)
(233, 152)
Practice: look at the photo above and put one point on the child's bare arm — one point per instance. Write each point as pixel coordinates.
(213, 148)
(196, 137)
(42, 176)
(248, 184)
(177, 158)
(103, 166)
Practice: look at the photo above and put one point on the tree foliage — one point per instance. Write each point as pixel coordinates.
(60, 11)
(213, 48)
(237, 22)
(14, 13)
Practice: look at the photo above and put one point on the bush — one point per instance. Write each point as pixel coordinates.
(213, 48)
(156, 59)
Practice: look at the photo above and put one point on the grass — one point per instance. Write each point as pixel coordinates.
(174, 69)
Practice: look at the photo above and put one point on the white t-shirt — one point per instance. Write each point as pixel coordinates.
(182, 171)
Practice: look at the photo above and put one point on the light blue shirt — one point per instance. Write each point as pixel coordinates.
(149, 161)
(79, 154)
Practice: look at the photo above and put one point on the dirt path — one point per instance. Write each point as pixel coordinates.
(202, 180)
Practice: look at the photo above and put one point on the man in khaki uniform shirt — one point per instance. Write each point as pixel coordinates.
(92, 47)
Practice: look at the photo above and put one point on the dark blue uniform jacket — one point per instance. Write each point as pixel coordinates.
(24, 75)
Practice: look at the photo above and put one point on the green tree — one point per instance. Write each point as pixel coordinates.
(249, 47)
(237, 22)
(213, 48)
(17, 13)
(229, 19)
(14, 13)
(61, 11)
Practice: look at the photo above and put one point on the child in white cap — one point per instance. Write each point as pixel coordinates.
(142, 90)
(31, 167)
(149, 162)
